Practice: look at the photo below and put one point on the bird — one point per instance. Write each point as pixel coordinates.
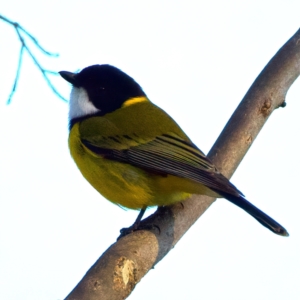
(133, 153)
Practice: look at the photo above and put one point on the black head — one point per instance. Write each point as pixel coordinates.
(107, 87)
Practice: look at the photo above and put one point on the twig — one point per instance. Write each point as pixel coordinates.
(17, 75)
(22, 34)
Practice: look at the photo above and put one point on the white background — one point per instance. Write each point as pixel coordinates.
(195, 59)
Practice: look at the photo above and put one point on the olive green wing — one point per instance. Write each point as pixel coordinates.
(165, 154)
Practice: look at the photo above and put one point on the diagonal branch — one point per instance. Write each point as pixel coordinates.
(122, 266)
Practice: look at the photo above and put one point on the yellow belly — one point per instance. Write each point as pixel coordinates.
(127, 185)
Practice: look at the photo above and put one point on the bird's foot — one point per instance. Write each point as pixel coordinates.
(127, 230)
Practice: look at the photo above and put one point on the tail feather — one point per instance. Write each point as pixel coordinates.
(256, 213)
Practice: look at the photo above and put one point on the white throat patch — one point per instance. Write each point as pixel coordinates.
(80, 105)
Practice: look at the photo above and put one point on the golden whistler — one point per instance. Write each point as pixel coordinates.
(133, 153)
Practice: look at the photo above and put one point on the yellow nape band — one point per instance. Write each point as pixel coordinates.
(134, 101)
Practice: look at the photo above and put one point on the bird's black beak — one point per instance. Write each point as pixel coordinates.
(69, 76)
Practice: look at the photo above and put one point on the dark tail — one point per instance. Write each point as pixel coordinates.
(256, 213)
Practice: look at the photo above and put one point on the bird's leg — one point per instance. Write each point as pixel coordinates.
(137, 222)
(134, 226)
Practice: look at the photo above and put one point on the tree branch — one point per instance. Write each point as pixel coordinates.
(22, 34)
(122, 266)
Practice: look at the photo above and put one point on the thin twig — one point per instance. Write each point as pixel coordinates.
(22, 34)
(17, 75)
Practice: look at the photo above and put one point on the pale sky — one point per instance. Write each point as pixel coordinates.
(196, 60)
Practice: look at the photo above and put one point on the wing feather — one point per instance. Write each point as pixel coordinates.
(165, 154)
